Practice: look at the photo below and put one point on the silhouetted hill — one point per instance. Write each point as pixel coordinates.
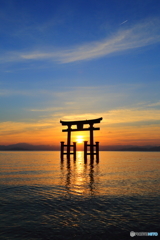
(28, 147)
(132, 148)
(146, 149)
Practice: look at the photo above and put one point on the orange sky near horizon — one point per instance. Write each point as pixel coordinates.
(51, 134)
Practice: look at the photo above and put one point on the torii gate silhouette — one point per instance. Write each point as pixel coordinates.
(80, 128)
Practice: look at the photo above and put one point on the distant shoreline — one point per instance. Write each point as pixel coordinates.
(30, 147)
(79, 150)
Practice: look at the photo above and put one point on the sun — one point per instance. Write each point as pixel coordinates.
(79, 139)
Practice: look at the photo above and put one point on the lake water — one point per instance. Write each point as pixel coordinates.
(42, 198)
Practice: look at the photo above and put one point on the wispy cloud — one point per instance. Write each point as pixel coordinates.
(139, 35)
(127, 124)
(154, 104)
(132, 116)
(22, 92)
(21, 127)
(120, 116)
(83, 99)
(124, 22)
(50, 109)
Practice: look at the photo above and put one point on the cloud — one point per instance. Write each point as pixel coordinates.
(22, 92)
(139, 35)
(127, 124)
(50, 109)
(18, 127)
(124, 22)
(79, 100)
(21, 127)
(131, 116)
(154, 104)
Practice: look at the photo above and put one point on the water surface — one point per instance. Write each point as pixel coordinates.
(42, 198)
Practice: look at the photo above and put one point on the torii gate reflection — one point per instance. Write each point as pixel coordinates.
(80, 127)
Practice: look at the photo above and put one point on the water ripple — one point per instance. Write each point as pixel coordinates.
(42, 199)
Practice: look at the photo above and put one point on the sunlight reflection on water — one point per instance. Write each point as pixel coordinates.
(42, 198)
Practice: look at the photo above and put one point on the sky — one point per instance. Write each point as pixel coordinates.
(77, 60)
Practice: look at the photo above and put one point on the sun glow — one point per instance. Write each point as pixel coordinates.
(79, 139)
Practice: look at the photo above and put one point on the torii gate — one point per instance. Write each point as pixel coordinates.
(80, 128)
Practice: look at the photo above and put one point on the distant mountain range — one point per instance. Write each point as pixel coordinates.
(30, 147)
(131, 148)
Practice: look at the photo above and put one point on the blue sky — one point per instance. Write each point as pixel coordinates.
(78, 60)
